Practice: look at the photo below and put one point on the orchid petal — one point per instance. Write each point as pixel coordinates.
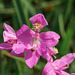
(49, 38)
(5, 46)
(58, 72)
(18, 48)
(47, 56)
(17, 55)
(24, 34)
(61, 73)
(42, 49)
(31, 58)
(39, 18)
(51, 73)
(64, 73)
(9, 29)
(8, 36)
(68, 58)
(48, 69)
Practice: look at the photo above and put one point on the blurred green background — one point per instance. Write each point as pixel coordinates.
(60, 15)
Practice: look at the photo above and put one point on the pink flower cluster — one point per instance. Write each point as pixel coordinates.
(36, 44)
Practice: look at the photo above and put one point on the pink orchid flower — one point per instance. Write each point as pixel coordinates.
(38, 22)
(36, 43)
(11, 42)
(57, 67)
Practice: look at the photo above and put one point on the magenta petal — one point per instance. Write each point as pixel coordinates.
(61, 73)
(48, 69)
(9, 29)
(47, 56)
(63, 63)
(68, 58)
(25, 35)
(5, 46)
(31, 58)
(49, 38)
(64, 73)
(39, 18)
(58, 72)
(50, 73)
(18, 48)
(17, 55)
(42, 49)
(9, 33)
(8, 36)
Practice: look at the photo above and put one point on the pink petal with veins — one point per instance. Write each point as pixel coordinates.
(31, 58)
(5, 46)
(39, 18)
